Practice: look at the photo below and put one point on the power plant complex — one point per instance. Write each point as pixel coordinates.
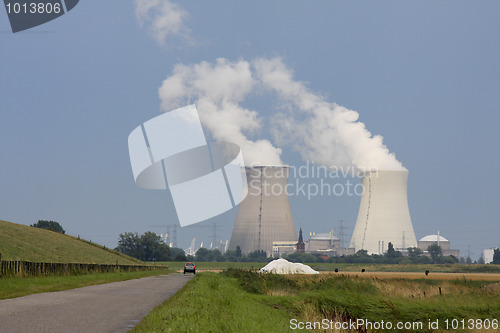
(265, 223)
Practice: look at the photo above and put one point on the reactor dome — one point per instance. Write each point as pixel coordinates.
(429, 240)
(433, 238)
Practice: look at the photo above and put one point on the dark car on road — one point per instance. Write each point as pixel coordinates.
(190, 267)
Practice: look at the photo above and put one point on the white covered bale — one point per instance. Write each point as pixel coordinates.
(283, 266)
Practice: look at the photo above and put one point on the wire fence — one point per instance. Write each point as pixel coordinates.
(29, 269)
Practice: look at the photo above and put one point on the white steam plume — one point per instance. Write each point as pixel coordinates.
(218, 89)
(323, 132)
(163, 19)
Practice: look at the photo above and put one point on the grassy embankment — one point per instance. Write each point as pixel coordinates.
(21, 242)
(238, 300)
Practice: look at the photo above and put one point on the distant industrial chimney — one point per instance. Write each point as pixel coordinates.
(383, 213)
(264, 216)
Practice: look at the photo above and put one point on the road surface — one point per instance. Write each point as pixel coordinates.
(111, 307)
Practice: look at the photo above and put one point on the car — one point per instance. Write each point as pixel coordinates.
(190, 267)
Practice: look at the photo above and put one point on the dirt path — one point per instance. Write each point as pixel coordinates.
(111, 307)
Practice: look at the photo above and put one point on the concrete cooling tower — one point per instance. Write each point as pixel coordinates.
(264, 216)
(383, 213)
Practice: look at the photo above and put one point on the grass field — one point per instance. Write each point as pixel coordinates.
(242, 300)
(15, 287)
(20, 242)
(444, 268)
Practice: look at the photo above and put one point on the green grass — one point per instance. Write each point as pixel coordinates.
(212, 303)
(243, 300)
(15, 287)
(21, 242)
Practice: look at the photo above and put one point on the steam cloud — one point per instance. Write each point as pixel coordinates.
(320, 131)
(163, 19)
(218, 90)
(327, 133)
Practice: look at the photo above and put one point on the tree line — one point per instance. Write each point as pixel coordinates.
(415, 256)
(148, 247)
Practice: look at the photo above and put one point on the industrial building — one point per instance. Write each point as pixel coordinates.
(326, 244)
(264, 216)
(283, 248)
(322, 242)
(383, 215)
(425, 242)
(488, 255)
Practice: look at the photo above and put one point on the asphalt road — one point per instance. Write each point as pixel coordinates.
(111, 307)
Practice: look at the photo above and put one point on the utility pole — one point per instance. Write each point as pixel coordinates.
(341, 234)
(172, 237)
(214, 235)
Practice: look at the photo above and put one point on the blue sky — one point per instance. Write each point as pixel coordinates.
(424, 75)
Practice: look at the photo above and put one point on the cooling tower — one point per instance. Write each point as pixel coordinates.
(264, 216)
(383, 213)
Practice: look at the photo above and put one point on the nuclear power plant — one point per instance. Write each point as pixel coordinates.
(264, 221)
(383, 215)
(264, 216)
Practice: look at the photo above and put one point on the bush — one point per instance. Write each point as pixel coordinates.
(49, 225)
(260, 283)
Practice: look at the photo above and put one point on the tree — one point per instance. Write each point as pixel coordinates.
(238, 251)
(154, 248)
(300, 257)
(435, 251)
(392, 254)
(49, 225)
(148, 246)
(496, 256)
(390, 250)
(257, 255)
(130, 244)
(178, 254)
(414, 253)
(203, 254)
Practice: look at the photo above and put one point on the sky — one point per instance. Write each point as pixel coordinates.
(424, 76)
